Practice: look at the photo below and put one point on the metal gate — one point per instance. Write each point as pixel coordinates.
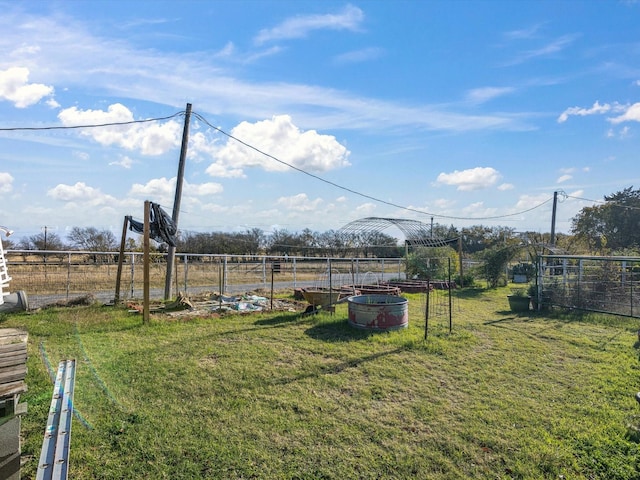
(597, 284)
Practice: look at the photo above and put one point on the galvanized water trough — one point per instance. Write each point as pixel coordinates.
(378, 312)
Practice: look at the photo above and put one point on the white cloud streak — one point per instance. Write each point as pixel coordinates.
(484, 94)
(300, 26)
(596, 109)
(116, 68)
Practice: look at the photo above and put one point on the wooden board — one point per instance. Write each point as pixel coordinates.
(13, 362)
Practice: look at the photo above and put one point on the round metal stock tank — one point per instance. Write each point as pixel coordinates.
(14, 302)
(378, 312)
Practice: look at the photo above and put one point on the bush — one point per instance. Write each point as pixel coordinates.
(432, 263)
(496, 260)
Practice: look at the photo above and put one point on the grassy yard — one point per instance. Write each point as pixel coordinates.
(280, 396)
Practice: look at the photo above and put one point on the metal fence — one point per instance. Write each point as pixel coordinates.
(52, 276)
(597, 284)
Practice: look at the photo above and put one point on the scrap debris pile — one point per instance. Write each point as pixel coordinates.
(213, 303)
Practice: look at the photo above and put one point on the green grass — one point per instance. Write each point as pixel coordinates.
(283, 396)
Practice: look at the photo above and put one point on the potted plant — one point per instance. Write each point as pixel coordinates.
(532, 291)
(519, 300)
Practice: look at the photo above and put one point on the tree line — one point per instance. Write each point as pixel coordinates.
(609, 228)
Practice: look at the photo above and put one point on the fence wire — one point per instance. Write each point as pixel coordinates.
(596, 284)
(54, 276)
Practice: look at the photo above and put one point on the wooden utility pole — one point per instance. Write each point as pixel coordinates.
(553, 219)
(145, 261)
(178, 198)
(116, 298)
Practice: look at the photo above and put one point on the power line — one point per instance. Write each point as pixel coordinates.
(98, 125)
(603, 202)
(293, 167)
(364, 195)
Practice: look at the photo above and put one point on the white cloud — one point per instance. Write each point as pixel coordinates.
(201, 146)
(481, 95)
(6, 182)
(300, 26)
(124, 162)
(632, 113)
(506, 186)
(595, 109)
(358, 56)
(551, 48)
(115, 67)
(280, 138)
(471, 179)
(478, 209)
(524, 33)
(299, 203)
(564, 178)
(150, 138)
(155, 188)
(203, 189)
(228, 50)
(81, 193)
(365, 208)
(222, 171)
(529, 201)
(163, 189)
(15, 87)
(214, 208)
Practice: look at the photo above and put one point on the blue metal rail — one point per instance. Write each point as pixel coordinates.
(54, 457)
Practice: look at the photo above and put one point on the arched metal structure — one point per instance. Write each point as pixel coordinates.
(416, 233)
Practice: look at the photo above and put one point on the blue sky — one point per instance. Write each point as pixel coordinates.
(470, 112)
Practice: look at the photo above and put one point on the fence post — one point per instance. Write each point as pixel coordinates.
(133, 272)
(68, 274)
(631, 293)
(185, 260)
(294, 272)
(224, 276)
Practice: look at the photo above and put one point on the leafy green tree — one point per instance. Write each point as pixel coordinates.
(615, 225)
(496, 260)
(432, 263)
(479, 237)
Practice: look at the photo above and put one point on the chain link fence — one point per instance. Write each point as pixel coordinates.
(53, 276)
(597, 284)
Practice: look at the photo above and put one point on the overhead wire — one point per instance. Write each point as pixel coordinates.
(355, 192)
(97, 125)
(293, 167)
(603, 202)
